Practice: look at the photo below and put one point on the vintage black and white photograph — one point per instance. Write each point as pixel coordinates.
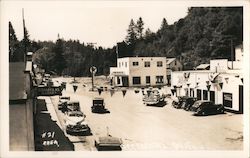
(125, 76)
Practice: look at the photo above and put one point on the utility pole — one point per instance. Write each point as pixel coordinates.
(24, 36)
(232, 53)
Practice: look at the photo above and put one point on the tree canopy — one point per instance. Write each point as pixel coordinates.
(205, 33)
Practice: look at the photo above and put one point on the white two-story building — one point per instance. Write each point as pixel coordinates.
(139, 71)
(221, 84)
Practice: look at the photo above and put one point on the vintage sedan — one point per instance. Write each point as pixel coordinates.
(98, 105)
(201, 107)
(178, 104)
(75, 123)
(72, 106)
(187, 104)
(153, 97)
(63, 101)
(107, 143)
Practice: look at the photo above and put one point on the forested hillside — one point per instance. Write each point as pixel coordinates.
(204, 34)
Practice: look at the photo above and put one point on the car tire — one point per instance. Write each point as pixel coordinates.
(203, 113)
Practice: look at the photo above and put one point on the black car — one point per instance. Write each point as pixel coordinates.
(206, 107)
(187, 104)
(98, 105)
(180, 102)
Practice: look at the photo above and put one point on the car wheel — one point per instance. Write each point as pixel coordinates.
(203, 113)
(222, 111)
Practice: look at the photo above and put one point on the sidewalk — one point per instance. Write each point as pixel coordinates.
(48, 133)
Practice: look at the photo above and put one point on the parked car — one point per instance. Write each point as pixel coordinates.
(152, 97)
(206, 107)
(72, 106)
(108, 143)
(178, 104)
(63, 101)
(98, 105)
(75, 123)
(188, 102)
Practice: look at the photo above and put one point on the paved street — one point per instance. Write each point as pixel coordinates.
(144, 127)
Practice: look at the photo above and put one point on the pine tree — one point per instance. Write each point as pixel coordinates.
(14, 53)
(59, 60)
(164, 24)
(139, 28)
(148, 33)
(131, 36)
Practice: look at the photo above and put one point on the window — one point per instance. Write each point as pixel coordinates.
(198, 94)
(122, 63)
(119, 64)
(147, 79)
(125, 64)
(146, 64)
(175, 63)
(159, 63)
(136, 80)
(135, 63)
(159, 79)
(191, 94)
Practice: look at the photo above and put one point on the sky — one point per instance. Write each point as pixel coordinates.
(102, 22)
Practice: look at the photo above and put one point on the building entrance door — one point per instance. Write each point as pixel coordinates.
(125, 81)
(212, 96)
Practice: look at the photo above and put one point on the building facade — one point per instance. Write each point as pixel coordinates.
(139, 71)
(222, 84)
(22, 105)
(173, 64)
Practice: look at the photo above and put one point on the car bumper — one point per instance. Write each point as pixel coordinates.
(78, 129)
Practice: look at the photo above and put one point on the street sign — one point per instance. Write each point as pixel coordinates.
(93, 69)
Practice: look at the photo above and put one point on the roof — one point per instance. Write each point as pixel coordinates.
(17, 81)
(98, 99)
(170, 60)
(202, 66)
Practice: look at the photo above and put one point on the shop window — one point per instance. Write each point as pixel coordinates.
(228, 100)
(147, 79)
(146, 64)
(159, 79)
(205, 95)
(159, 63)
(135, 63)
(136, 80)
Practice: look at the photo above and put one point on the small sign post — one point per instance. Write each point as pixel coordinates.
(92, 70)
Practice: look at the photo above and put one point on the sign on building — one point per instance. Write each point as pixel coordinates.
(49, 91)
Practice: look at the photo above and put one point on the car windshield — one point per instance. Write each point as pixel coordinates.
(98, 101)
(197, 104)
(76, 114)
(73, 106)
